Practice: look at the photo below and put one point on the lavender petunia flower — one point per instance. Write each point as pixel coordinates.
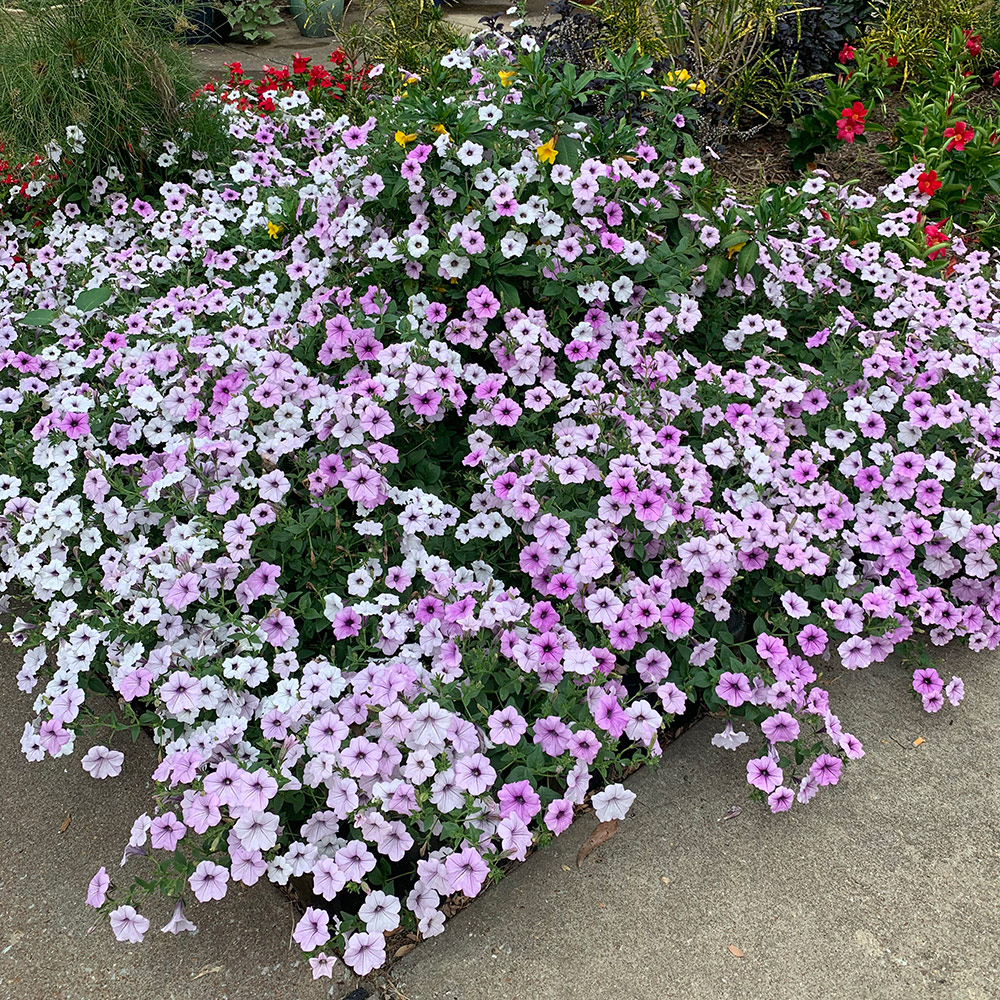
(100, 762)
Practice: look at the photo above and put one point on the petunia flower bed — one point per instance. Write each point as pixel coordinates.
(406, 477)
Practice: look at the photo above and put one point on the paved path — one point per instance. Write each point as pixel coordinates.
(885, 887)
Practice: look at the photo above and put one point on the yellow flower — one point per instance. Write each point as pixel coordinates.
(273, 228)
(506, 75)
(733, 251)
(547, 151)
(403, 138)
(440, 129)
(699, 86)
(412, 79)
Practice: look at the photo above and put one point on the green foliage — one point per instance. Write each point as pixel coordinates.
(656, 28)
(251, 18)
(913, 29)
(729, 44)
(911, 125)
(402, 34)
(112, 67)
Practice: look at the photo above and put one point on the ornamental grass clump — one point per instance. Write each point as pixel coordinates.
(89, 86)
(407, 477)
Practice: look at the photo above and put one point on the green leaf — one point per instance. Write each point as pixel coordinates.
(39, 317)
(715, 273)
(747, 258)
(508, 293)
(92, 298)
(735, 239)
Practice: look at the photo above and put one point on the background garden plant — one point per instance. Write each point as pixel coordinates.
(408, 473)
(92, 86)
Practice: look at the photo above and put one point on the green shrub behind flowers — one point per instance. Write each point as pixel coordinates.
(408, 475)
(937, 121)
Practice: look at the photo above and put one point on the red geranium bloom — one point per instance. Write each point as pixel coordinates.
(928, 183)
(852, 122)
(846, 53)
(959, 134)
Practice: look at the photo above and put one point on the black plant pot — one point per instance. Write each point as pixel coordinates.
(208, 24)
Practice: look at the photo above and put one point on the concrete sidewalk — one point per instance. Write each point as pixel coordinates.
(884, 887)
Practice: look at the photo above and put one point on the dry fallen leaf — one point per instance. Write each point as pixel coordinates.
(404, 950)
(207, 971)
(918, 741)
(734, 811)
(64, 825)
(603, 833)
(735, 952)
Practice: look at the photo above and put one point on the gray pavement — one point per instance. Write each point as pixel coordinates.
(884, 887)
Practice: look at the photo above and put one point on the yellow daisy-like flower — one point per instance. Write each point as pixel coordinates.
(547, 152)
(403, 138)
(273, 228)
(506, 75)
(733, 251)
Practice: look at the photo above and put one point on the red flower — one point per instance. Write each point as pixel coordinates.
(996, 78)
(928, 183)
(852, 122)
(300, 63)
(973, 43)
(892, 62)
(959, 134)
(846, 53)
(936, 237)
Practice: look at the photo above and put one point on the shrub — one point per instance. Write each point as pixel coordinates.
(406, 478)
(911, 30)
(938, 124)
(106, 66)
(251, 19)
(404, 35)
